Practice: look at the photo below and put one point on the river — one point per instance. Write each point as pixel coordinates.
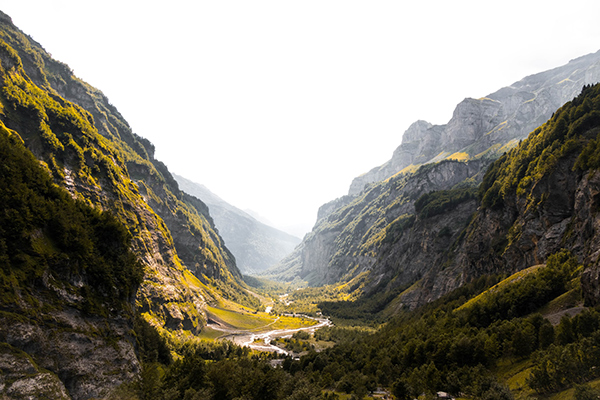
(262, 341)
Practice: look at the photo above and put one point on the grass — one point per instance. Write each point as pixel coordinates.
(286, 322)
(240, 320)
(256, 322)
(209, 334)
(569, 394)
(567, 300)
(458, 156)
(511, 279)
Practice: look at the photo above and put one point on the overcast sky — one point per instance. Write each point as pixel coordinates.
(276, 105)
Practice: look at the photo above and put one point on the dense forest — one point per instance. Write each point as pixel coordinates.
(460, 344)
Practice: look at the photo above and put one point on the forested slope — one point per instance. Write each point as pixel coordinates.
(125, 241)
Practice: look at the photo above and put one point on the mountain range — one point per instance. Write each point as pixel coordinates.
(377, 240)
(92, 155)
(255, 245)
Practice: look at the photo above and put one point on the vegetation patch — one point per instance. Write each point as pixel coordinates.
(442, 201)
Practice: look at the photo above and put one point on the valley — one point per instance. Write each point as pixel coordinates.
(468, 264)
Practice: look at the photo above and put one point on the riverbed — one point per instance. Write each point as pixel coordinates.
(262, 341)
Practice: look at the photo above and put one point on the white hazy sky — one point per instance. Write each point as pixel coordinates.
(276, 105)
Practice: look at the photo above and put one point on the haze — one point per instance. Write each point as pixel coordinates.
(276, 105)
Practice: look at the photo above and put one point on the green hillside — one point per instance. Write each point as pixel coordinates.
(91, 150)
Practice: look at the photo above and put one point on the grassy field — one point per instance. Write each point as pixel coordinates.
(256, 322)
(240, 320)
(209, 334)
(285, 322)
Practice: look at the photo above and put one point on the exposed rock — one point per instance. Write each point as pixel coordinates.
(482, 127)
(345, 242)
(92, 152)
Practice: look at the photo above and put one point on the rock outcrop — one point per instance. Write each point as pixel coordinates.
(539, 199)
(383, 239)
(348, 241)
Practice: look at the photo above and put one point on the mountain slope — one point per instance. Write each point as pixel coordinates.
(346, 243)
(536, 200)
(480, 127)
(89, 150)
(256, 246)
(67, 283)
(396, 232)
(92, 151)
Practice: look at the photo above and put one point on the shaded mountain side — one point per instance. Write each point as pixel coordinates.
(68, 280)
(539, 198)
(430, 232)
(90, 149)
(481, 127)
(337, 250)
(255, 245)
(346, 243)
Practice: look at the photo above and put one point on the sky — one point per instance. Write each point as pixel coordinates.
(277, 105)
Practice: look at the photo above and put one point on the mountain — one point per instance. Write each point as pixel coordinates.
(255, 245)
(392, 231)
(481, 127)
(67, 281)
(538, 199)
(82, 288)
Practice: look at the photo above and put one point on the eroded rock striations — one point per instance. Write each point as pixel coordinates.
(427, 231)
(540, 198)
(346, 242)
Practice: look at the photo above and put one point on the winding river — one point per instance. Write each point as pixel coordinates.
(262, 341)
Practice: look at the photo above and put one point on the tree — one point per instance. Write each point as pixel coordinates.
(400, 390)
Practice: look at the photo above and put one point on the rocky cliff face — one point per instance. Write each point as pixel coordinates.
(90, 150)
(256, 246)
(386, 237)
(348, 242)
(486, 126)
(540, 198)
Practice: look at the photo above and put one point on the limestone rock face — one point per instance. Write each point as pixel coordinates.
(566, 219)
(72, 349)
(375, 239)
(556, 209)
(482, 127)
(347, 239)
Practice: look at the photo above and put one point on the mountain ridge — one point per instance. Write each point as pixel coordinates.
(342, 248)
(90, 151)
(256, 245)
(477, 125)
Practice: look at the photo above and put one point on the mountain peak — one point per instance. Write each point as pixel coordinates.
(480, 127)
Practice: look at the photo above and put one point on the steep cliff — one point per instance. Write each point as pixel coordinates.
(484, 127)
(67, 283)
(88, 148)
(413, 238)
(539, 198)
(256, 246)
(347, 243)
